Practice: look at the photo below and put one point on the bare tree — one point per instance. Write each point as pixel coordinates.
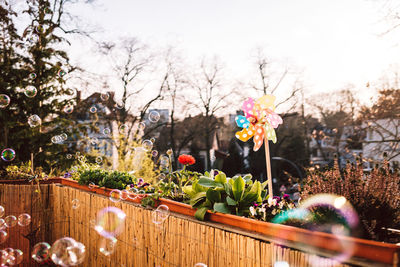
(210, 98)
(381, 121)
(267, 84)
(131, 62)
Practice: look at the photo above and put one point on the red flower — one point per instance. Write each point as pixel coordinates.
(186, 159)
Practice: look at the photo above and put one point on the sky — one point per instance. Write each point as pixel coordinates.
(329, 44)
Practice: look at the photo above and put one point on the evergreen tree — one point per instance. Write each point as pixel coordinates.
(38, 73)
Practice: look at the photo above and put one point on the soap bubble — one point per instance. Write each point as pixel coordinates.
(61, 73)
(19, 256)
(160, 214)
(3, 236)
(164, 161)
(68, 109)
(2, 211)
(132, 193)
(147, 145)
(10, 221)
(122, 129)
(24, 219)
(32, 75)
(99, 160)
(8, 154)
(34, 121)
(199, 264)
(105, 96)
(106, 131)
(93, 109)
(67, 251)
(115, 195)
(2, 224)
(47, 10)
(69, 156)
(110, 222)
(94, 141)
(75, 204)
(30, 91)
(107, 246)
(142, 126)
(154, 153)
(57, 139)
(154, 116)
(64, 136)
(4, 100)
(153, 139)
(343, 224)
(91, 185)
(125, 194)
(40, 252)
(8, 258)
(39, 29)
(119, 105)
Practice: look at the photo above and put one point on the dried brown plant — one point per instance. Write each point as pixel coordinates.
(374, 195)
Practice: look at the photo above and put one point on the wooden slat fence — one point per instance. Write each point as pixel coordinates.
(179, 241)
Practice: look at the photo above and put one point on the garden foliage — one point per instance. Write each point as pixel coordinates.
(375, 196)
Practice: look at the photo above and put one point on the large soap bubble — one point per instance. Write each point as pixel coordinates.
(110, 222)
(10, 221)
(40, 252)
(342, 221)
(67, 251)
(24, 219)
(30, 91)
(160, 214)
(154, 116)
(8, 154)
(34, 121)
(4, 100)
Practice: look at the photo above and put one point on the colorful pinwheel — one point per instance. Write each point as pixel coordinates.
(259, 121)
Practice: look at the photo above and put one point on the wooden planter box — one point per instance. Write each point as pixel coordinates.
(365, 252)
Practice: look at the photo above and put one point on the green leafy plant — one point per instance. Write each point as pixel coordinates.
(226, 195)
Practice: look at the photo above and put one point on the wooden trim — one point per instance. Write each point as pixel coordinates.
(366, 249)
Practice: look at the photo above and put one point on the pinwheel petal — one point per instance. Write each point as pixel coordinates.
(258, 137)
(242, 121)
(248, 106)
(266, 101)
(274, 119)
(270, 133)
(245, 134)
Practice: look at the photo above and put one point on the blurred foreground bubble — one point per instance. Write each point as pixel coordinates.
(110, 222)
(4, 100)
(67, 251)
(340, 220)
(40, 252)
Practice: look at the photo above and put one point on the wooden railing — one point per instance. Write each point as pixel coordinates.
(179, 241)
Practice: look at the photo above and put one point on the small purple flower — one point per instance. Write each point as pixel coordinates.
(132, 185)
(67, 175)
(145, 184)
(255, 205)
(140, 181)
(286, 196)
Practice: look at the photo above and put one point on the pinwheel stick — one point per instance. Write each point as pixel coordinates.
(268, 163)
